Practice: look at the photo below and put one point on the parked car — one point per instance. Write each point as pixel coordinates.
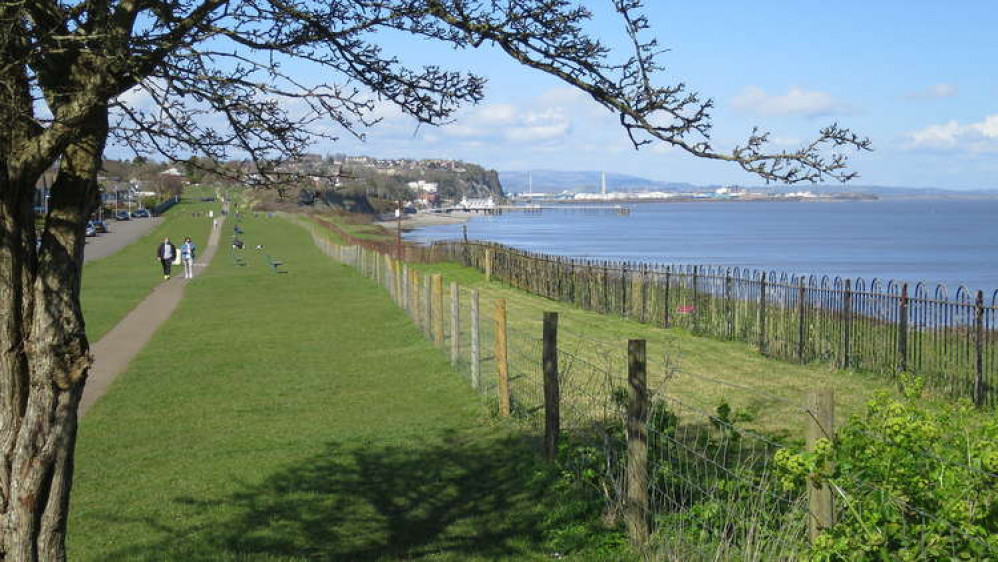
(121, 216)
(91, 230)
(141, 214)
(101, 227)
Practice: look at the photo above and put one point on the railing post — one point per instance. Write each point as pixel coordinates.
(801, 318)
(455, 323)
(847, 325)
(645, 285)
(821, 425)
(903, 330)
(605, 304)
(980, 388)
(501, 360)
(729, 306)
(762, 314)
(552, 394)
(696, 302)
(623, 290)
(637, 505)
(476, 350)
(438, 310)
(666, 320)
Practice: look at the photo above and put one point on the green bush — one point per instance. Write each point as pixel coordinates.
(909, 483)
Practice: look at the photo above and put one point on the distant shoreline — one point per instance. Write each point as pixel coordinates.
(422, 220)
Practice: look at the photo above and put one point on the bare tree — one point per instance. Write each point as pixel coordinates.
(213, 75)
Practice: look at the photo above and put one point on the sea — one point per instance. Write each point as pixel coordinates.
(952, 242)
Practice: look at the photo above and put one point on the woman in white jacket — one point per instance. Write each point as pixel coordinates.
(187, 250)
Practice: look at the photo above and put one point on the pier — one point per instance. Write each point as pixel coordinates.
(563, 207)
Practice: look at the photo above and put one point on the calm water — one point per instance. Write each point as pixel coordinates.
(938, 241)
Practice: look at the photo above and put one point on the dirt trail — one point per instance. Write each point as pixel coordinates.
(117, 348)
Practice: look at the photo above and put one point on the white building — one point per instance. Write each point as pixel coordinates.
(422, 185)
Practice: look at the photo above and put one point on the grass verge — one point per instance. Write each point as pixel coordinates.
(763, 394)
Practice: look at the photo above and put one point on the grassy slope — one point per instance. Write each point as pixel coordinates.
(301, 416)
(773, 389)
(114, 285)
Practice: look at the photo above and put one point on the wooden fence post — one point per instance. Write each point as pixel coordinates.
(427, 306)
(980, 388)
(903, 330)
(847, 325)
(405, 286)
(438, 310)
(637, 507)
(488, 264)
(552, 394)
(821, 425)
(501, 361)
(476, 350)
(762, 313)
(455, 323)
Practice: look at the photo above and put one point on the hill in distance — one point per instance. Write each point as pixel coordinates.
(556, 181)
(548, 181)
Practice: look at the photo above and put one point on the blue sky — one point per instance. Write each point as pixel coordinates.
(919, 78)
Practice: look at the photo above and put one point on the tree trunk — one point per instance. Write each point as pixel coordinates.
(44, 359)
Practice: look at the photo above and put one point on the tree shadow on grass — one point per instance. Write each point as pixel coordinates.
(448, 497)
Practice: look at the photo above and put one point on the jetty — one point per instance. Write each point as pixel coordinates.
(563, 207)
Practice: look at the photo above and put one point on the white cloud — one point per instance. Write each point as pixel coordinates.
(509, 123)
(796, 101)
(974, 138)
(538, 132)
(935, 91)
(987, 128)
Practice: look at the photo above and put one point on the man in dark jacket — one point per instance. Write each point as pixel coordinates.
(165, 253)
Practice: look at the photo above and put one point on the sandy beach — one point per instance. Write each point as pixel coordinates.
(420, 220)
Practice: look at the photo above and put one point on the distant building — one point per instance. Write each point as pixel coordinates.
(423, 186)
(173, 172)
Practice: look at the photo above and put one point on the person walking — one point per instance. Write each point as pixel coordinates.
(187, 251)
(165, 253)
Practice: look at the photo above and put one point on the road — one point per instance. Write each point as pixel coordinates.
(122, 234)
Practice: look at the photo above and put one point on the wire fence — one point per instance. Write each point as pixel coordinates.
(691, 480)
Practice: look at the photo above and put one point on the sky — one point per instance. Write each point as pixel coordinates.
(919, 78)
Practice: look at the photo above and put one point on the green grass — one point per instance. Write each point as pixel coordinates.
(302, 416)
(114, 285)
(682, 365)
(766, 394)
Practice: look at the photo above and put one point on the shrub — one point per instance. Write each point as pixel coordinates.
(910, 483)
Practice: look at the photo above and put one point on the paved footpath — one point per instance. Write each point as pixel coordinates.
(117, 348)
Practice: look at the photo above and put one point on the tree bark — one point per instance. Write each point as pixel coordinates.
(49, 353)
